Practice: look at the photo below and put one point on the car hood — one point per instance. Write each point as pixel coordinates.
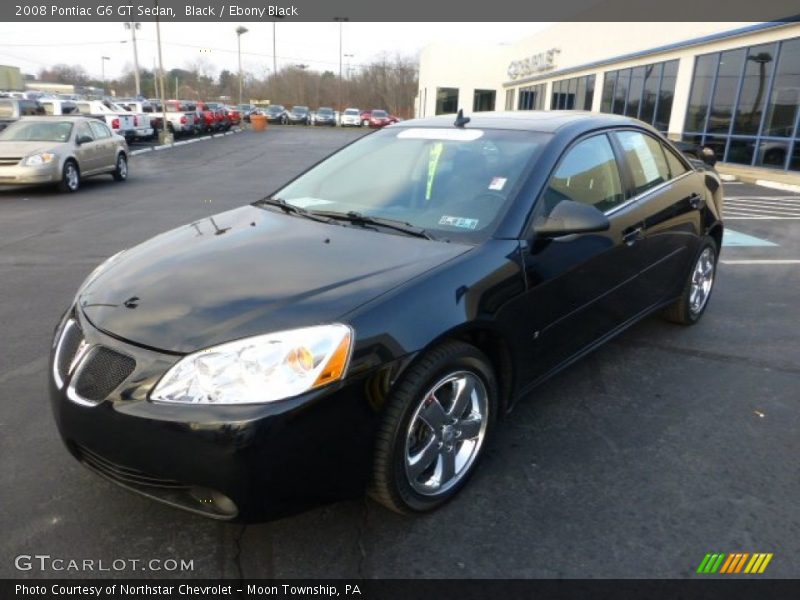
(26, 148)
(247, 272)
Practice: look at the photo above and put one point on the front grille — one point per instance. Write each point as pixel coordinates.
(102, 371)
(9, 161)
(123, 474)
(71, 338)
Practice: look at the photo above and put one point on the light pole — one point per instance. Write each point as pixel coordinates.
(274, 48)
(164, 136)
(133, 26)
(103, 60)
(239, 32)
(340, 20)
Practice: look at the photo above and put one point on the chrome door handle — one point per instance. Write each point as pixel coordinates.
(695, 200)
(632, 236)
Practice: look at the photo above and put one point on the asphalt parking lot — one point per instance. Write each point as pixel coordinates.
(662, 446)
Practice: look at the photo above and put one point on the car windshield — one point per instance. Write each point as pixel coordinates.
(378, 113)
(275, 109)
(300, 109)
(37, 131)
(6, 108)
(453, 183)
(351, 111)
(325, 111)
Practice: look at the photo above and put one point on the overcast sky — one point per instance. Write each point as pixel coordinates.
(32, 46)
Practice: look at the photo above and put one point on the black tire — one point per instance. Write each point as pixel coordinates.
(390, 485)
(682, 311)
(120, 173)
(70, 177)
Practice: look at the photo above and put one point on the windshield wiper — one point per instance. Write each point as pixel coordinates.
(292, 209)
(358, 218)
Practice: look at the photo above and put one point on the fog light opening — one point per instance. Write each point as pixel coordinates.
(214, 501)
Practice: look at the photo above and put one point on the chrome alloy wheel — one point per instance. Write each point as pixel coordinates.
(71, 176)
(702, 280)
(446, 433)
(122, 167)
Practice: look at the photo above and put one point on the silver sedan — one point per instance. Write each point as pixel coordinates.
(61, 151)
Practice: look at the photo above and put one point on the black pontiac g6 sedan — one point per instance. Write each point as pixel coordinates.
(366, 333)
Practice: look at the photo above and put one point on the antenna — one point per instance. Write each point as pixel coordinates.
(461, 120)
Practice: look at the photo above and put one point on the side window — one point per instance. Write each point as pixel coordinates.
(676, 167)
(84, 131)
(645, 159)
(587, 174)
(100, 130)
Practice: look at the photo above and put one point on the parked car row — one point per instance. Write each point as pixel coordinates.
(302, 115)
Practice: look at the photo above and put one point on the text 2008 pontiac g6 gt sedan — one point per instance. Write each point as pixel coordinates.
(366, 333)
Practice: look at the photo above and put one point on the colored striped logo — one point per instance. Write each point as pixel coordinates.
(737, 562)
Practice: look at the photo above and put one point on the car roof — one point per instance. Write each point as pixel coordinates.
(542, 121)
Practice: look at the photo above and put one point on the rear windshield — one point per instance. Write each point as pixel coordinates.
(37, 131)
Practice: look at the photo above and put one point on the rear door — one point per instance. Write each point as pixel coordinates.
(106, 146)
(584, 286)
(670, 196)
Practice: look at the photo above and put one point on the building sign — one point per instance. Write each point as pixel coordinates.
(544, 61)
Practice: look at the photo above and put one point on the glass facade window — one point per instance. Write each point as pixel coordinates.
(644, 92)
(744, 103)
(446, 101)
(483, 100)
(531, 97)
(576, 93)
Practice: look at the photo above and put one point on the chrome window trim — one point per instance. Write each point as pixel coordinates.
(652, 190)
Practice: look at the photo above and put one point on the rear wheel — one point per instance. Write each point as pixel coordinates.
(688, 309)
(435, 428)
(70, 178)
(120, 173)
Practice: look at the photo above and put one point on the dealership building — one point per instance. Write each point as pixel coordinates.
(734, 87)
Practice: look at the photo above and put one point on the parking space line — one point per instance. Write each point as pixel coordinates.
(738, 239)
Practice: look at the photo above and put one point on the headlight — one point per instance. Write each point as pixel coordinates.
(259, 369)
(39, 159)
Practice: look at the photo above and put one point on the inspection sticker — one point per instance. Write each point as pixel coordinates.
(498, 183)
(458, 222)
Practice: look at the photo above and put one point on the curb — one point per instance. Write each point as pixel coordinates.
(185, 142)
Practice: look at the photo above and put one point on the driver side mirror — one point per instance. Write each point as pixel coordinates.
(83, 139)
(570, 217)
(708, 156)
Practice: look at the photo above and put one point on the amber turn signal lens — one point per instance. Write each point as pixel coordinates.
(336, 365)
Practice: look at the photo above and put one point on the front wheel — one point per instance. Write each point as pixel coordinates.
(435, 428)
(120, 173)
(688, 309)
(70, 178)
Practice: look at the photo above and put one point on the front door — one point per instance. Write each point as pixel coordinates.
(88, 151)
(581, 287)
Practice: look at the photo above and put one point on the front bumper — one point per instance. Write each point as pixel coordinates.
(268, 460)
(19, 175)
